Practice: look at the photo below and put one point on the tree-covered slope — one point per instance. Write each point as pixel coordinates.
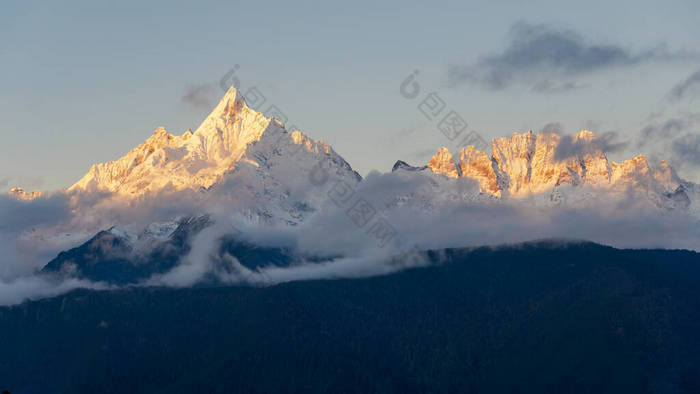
(533, 318)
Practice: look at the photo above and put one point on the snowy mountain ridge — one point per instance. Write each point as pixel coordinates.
(271, 167)
(532, 165)
(196, 160)
(528, 164)
(250, 175)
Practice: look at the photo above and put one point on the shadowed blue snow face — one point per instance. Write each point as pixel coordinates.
(84, 82)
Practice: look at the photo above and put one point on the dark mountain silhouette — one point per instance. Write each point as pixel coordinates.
(540, 317)
(110, 258)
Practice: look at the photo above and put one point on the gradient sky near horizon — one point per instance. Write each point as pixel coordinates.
(84, 82)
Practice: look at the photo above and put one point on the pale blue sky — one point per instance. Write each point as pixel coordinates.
(85, 81)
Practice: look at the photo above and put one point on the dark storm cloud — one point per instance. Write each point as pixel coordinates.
(536, 51)
(687, 87)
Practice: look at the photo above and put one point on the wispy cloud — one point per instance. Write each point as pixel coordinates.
(422, 154)
(35, 287)
(541, 53)
(687, 148)
(406, 132)
(546, 86)
(553, 128)
(664, 130)
(429, 212)
(403, 134)
(622, 222)
(608, 142)
(688, 87)
(200, 96)
(674, 139)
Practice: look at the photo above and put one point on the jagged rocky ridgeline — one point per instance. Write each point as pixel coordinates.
(530, 163)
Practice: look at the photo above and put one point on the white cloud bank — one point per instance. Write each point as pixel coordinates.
(33, 232)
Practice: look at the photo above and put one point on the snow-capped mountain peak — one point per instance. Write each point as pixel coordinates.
(443, 163)
(193, 160)
(20, 194)
(666, 176)
(531, 164)
(237, 149)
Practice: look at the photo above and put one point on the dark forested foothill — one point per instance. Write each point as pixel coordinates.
(544, 318)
